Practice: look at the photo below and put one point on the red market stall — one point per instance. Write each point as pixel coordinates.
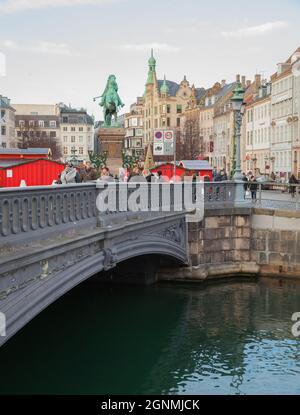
(201, 168)
(39, 172)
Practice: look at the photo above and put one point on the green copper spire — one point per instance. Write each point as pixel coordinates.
(164, 89)
(151, 71)
(152, 61)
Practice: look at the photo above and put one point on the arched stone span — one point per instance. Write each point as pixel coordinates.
(60, 268)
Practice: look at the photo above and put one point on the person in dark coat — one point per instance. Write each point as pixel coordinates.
(293, 181)
(88, 174)
(253, 188)
(245, 179)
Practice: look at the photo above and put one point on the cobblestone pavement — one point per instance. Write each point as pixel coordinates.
(275, 199)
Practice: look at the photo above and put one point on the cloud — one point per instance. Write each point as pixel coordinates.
(147, 46)
(258, 30)
(16, 6)
(49, 48)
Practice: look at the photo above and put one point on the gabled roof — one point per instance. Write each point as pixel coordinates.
(7, 164)
(200, 92)
(223, 91)
(195, 164)
(26, 151)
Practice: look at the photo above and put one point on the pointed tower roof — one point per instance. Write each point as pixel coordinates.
(151, 70)
(152, 61)
(164, 89)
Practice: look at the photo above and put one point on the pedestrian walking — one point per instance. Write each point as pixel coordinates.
(253, 188)
(246, 184)
(293, 181)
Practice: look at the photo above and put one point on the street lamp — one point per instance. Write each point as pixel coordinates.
(238, 107)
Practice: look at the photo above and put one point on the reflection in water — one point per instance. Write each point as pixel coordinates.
(231, 338)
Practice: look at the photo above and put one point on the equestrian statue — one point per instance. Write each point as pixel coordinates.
(110, 101)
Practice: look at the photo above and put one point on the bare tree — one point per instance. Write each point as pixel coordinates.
(189, 142)
(32, 137)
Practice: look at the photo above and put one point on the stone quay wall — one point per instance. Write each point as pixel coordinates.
(243, 242)
(275, 242)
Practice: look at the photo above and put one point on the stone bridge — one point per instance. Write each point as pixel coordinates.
(53, 238)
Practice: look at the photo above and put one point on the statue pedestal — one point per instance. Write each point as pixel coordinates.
(112, 141)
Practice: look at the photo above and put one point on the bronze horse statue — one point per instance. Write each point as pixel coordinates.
(110, 101)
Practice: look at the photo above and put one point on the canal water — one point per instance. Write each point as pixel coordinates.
(232, 338)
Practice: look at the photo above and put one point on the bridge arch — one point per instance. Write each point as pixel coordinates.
(23, 305)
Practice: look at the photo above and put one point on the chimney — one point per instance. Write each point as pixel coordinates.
(223, 83)
(248, 83)
(238, 78)
(257, 80)
(244, 81)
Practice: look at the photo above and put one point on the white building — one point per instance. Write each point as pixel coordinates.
(7, 123)
(258, 132)
(77, 133)
(296, 113)
(282, 115)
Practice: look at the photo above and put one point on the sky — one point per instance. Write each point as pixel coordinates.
(64, 50)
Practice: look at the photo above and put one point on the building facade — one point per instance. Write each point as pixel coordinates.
(295, 61)
(164, 102)
(7, 123)
(257, 157)
(223, 154)
(77, 133)
(38, 124)
(133, 142)
(203, 111)
(282, 116)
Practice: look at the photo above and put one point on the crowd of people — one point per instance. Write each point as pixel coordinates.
(87, 173)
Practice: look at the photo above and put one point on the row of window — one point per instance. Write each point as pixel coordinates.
(206, 115)
(282, 86)
(73, 139)
(164, 109)
(133, 122)
(52, 124)
(281, 133)
(39, 123)
(259, 136)
(37, 134)
(73, 129)
(161, 123)
(259, 113)
(134, 132)
(282, 109)
(68, 150)
(283, 159)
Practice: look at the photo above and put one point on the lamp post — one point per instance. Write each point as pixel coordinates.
(238, 108)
